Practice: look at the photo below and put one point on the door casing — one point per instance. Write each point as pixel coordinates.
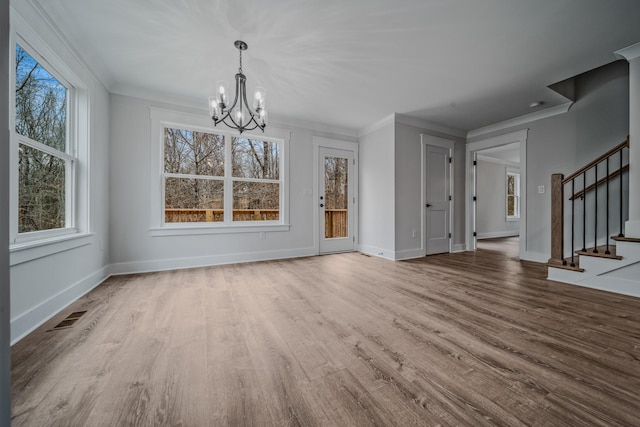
(425, 141)
(319, 142)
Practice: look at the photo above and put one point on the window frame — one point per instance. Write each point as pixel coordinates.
(516, 196)
(161, 119)
(35, 244)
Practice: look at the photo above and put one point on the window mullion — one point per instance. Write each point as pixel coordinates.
(228, 181)
(45, 148)
(191, 176)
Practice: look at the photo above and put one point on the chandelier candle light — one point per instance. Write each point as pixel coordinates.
(238, 116)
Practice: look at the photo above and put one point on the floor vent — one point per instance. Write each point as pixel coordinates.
(69, 320)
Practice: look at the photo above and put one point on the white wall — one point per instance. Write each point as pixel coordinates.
(43, 286)
(5, 338)
(598, 121)
(491, 207)
(377, 191)
(133, 249)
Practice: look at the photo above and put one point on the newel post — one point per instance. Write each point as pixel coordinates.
(557, 219)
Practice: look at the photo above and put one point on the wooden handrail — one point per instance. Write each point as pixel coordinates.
(596, 161)
(600, 181)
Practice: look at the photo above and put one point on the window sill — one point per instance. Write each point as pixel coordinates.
(28, 251)
(512, 219)
(194, 230)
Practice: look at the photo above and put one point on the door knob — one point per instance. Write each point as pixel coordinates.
(428, 205)
(321, 205)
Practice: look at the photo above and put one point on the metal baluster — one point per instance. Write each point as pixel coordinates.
(573, 202)
(607, 252)
(584, 211)
(621, 234)
(595, 219)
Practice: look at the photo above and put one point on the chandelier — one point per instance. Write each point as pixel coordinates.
(238, 115)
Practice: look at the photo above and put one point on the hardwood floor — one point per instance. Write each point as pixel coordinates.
(508, 246)
(466, 339)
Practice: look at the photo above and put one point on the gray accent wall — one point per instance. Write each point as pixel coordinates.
(408, 183)
(597, 121)
(5, 334)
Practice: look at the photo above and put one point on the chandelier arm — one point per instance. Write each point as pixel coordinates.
(244, 96)
(237, 126)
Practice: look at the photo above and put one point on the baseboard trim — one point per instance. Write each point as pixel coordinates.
(408, 254)
(379, 252)
(535, 257)
(206, 261)
(496, 234)
(460, 247)
(26, 322)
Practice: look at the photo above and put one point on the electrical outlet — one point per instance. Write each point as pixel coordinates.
(540, 189)
(414, 233)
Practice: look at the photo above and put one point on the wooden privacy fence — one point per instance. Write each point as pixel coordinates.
(217, 215)
(335, 223)
(335, 220)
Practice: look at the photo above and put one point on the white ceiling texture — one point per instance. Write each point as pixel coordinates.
(463, 64)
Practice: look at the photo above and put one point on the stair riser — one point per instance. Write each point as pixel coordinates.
(628, 250)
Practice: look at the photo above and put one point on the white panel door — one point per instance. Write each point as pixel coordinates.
(336, 200)
(438, 204)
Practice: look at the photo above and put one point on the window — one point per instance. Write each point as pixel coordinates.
(193, 176)
(256, 179)
(513, 195)
(216, 181)
(45, 154)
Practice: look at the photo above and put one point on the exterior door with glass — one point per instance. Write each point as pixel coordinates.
(336, 200)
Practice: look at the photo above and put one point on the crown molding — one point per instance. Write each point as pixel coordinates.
(519, 121)
(630, 52)
(385, 121)
(427, 125)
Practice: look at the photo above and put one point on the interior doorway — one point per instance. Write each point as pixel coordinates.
(498, 192)
(473, 155)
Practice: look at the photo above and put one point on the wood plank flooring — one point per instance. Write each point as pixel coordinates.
(468, 339)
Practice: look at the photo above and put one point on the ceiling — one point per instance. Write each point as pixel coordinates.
(462, 64)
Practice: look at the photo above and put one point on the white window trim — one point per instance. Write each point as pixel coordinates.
(32, 245)
(161, 118)
(516, 172)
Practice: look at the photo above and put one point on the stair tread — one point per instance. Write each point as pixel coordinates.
(601, 252)
(626, 239)
(567, 265)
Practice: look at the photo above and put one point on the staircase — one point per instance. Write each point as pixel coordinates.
(588, 211)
